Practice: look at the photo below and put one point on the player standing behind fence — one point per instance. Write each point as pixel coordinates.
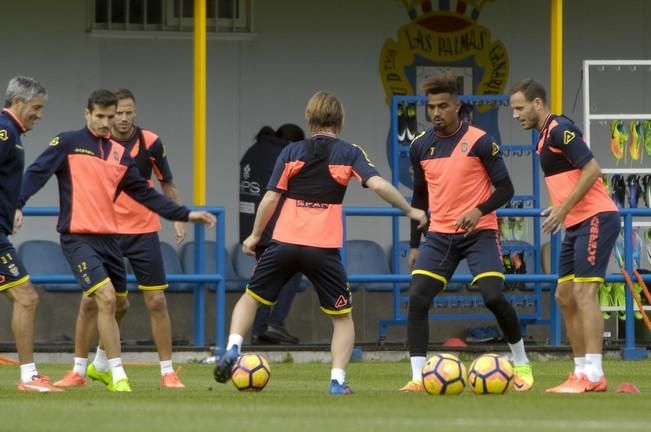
(23, 106)
(456, 166)
(580, 203)
(139, 243)
(313, 176)
(92, 170)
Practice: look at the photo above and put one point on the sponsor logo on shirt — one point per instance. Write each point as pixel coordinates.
(312, 204)
(83, 150)
(4, 135)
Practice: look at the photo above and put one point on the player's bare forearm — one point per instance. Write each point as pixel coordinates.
(388, 193)
(170, 191)
(265, 211)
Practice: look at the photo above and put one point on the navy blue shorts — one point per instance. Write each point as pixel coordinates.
(146, 259)
(12, 271)
(440, 254)
(95, 259)
(322, 266)
(586, 248)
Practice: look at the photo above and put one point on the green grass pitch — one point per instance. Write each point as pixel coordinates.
(296, 399)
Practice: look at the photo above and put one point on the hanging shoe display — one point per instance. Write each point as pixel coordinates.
(646, 190)
(633, 183)
(618, 139)
(634, 144)
(402, 123)
(412, 123)
(647, 136)
(618, 186)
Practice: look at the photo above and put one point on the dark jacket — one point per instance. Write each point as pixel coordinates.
(256, 167)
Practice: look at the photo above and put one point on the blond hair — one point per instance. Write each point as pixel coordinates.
(324, 113)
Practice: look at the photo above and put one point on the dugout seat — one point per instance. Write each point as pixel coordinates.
(234, 283)
(45, 257)
(172, 265)
(367, 257)
(403, 267)
(243, 264)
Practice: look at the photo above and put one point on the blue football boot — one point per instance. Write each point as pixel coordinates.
(224, 365)
(339, 389)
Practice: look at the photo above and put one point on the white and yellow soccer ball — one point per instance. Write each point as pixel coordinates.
(490, 374)
(444, 374)
(251, 372)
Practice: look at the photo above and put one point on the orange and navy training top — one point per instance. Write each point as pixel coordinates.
(91, 172)
(313, 176)
(562, 154)
(148, 152)
(12, 163)
(458, 171)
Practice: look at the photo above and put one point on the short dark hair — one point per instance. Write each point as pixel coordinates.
(123, 93)
(442, 82)
(531, 89)
(101, 98)
(290, 132)
(264, 131)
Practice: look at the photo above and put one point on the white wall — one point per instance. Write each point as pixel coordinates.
(301, 47)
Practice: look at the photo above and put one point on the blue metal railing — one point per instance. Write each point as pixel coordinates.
(631, 352)
(553, 322)
(398, 318)
(199, 334)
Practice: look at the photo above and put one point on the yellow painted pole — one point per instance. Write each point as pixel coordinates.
(199, 102)
(556, 72)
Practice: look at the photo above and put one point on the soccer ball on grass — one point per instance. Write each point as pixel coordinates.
(444, 374)
(251, 372)
(490, 374)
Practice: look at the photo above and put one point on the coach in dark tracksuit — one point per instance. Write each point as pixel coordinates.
(255, 170)
(23, 106)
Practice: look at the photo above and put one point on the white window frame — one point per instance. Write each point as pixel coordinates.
(211, 23)
(173, 27)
